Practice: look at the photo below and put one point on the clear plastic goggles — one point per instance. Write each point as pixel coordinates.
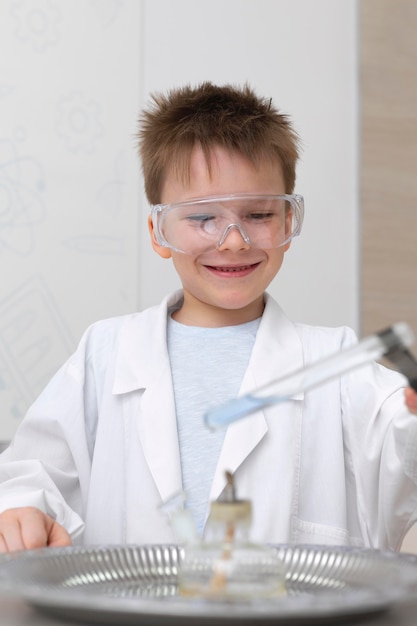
(201, 225)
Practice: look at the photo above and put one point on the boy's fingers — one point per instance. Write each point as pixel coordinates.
(11, 537)
(34, 532)
(411, 399)
(58, 536)
(3, 546)
(29, 528)
(39, 530)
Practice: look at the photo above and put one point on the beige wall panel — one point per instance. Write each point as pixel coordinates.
(389, 162)
(388, 73)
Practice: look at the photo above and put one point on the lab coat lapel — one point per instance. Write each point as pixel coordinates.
(277, 351)
(157, 428)
(143, 367)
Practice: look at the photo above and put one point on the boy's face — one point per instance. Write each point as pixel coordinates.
(225, 286)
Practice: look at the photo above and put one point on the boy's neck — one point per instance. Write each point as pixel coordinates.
(200, 314)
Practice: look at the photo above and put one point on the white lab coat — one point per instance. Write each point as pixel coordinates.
(99, 451)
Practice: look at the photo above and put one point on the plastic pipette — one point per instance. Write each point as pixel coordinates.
(391, 343)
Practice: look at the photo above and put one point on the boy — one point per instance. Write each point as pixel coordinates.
(119, 429)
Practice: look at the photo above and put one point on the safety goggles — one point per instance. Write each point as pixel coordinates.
(203, 224)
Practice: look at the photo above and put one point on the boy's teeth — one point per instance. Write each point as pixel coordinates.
(232, 269)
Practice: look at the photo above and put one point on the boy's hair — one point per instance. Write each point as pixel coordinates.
(208, 115)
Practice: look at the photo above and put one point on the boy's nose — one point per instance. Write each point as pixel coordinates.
(234, 237)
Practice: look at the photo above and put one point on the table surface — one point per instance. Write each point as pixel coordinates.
(15, 612)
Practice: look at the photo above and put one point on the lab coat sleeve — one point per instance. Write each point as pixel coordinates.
(383, 439)
(370, 455)
(48, 463)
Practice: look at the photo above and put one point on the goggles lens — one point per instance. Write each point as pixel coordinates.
(263, 221)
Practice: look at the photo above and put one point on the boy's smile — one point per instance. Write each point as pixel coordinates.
(232, 271)
(225, 286)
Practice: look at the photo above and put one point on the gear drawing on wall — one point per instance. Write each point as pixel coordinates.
(36, 22)
(78, 123)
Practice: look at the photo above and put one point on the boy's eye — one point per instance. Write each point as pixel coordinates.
(260, 217)
(200, 218)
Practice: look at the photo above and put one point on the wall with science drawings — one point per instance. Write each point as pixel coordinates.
(69, 94)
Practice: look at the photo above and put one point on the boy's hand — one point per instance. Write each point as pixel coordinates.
(27, 528)
(411, 400)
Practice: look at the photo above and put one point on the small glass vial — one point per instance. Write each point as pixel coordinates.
(226, 564)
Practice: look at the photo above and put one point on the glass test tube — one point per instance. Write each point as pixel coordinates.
(373, 347)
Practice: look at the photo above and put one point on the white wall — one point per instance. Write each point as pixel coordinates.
(73, 240)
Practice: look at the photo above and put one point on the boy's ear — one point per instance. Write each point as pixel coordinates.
(163, 251)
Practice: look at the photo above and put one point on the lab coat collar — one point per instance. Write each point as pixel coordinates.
(143, 364)
(277, 351)
(143, 332)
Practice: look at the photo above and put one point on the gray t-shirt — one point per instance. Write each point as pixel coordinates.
(207, 365)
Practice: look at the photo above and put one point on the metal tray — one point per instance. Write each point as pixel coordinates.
(138, 585)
